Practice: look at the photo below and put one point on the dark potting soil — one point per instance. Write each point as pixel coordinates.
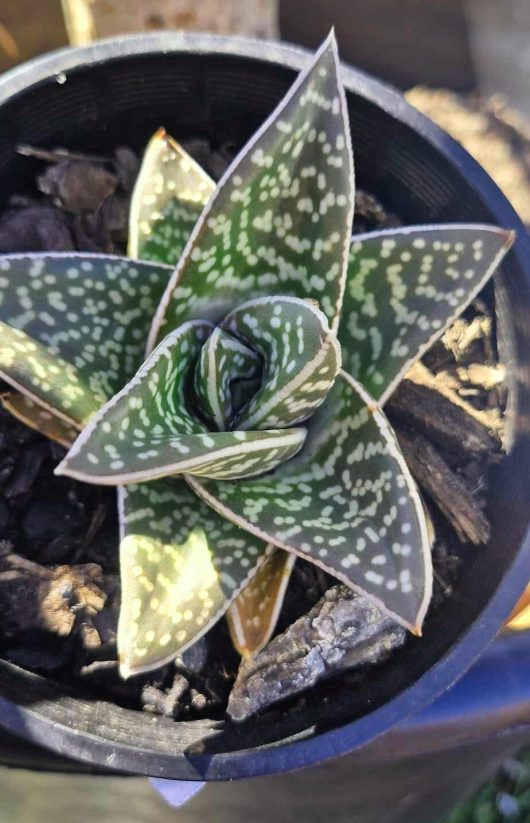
(59, 581)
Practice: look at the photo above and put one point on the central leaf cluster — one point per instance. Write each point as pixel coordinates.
(269, 364)
(218, 402)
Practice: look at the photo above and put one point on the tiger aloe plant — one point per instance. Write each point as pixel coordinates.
(254, 431)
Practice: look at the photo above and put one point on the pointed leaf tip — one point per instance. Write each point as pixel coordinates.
(510, 238)
(253, 615)
(280, 218)
(170, 192)
(404, 287)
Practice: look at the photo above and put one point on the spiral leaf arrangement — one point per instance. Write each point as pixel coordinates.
(253, 432)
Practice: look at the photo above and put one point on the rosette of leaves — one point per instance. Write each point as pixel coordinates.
(254, 431)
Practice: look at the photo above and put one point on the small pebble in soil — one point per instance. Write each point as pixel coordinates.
(48, 599)
(77, 186)
(35, 228)
(166, 703)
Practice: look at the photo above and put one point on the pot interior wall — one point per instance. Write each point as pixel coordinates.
(122, 101)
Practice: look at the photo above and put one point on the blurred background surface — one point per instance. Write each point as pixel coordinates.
(463, 45)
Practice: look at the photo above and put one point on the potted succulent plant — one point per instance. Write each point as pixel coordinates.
(254, 431)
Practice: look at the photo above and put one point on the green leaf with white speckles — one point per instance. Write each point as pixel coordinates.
(148, 431)
(47, 379)
(169, 195)
(347, 503)
(300, 354)
(280, 219)
(223, 361)
(90, 311)
(181, 567)
(404, 287)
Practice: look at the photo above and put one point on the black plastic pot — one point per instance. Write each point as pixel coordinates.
(120, 91)
(416, 773)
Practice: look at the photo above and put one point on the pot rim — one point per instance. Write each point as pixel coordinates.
(291, 753)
